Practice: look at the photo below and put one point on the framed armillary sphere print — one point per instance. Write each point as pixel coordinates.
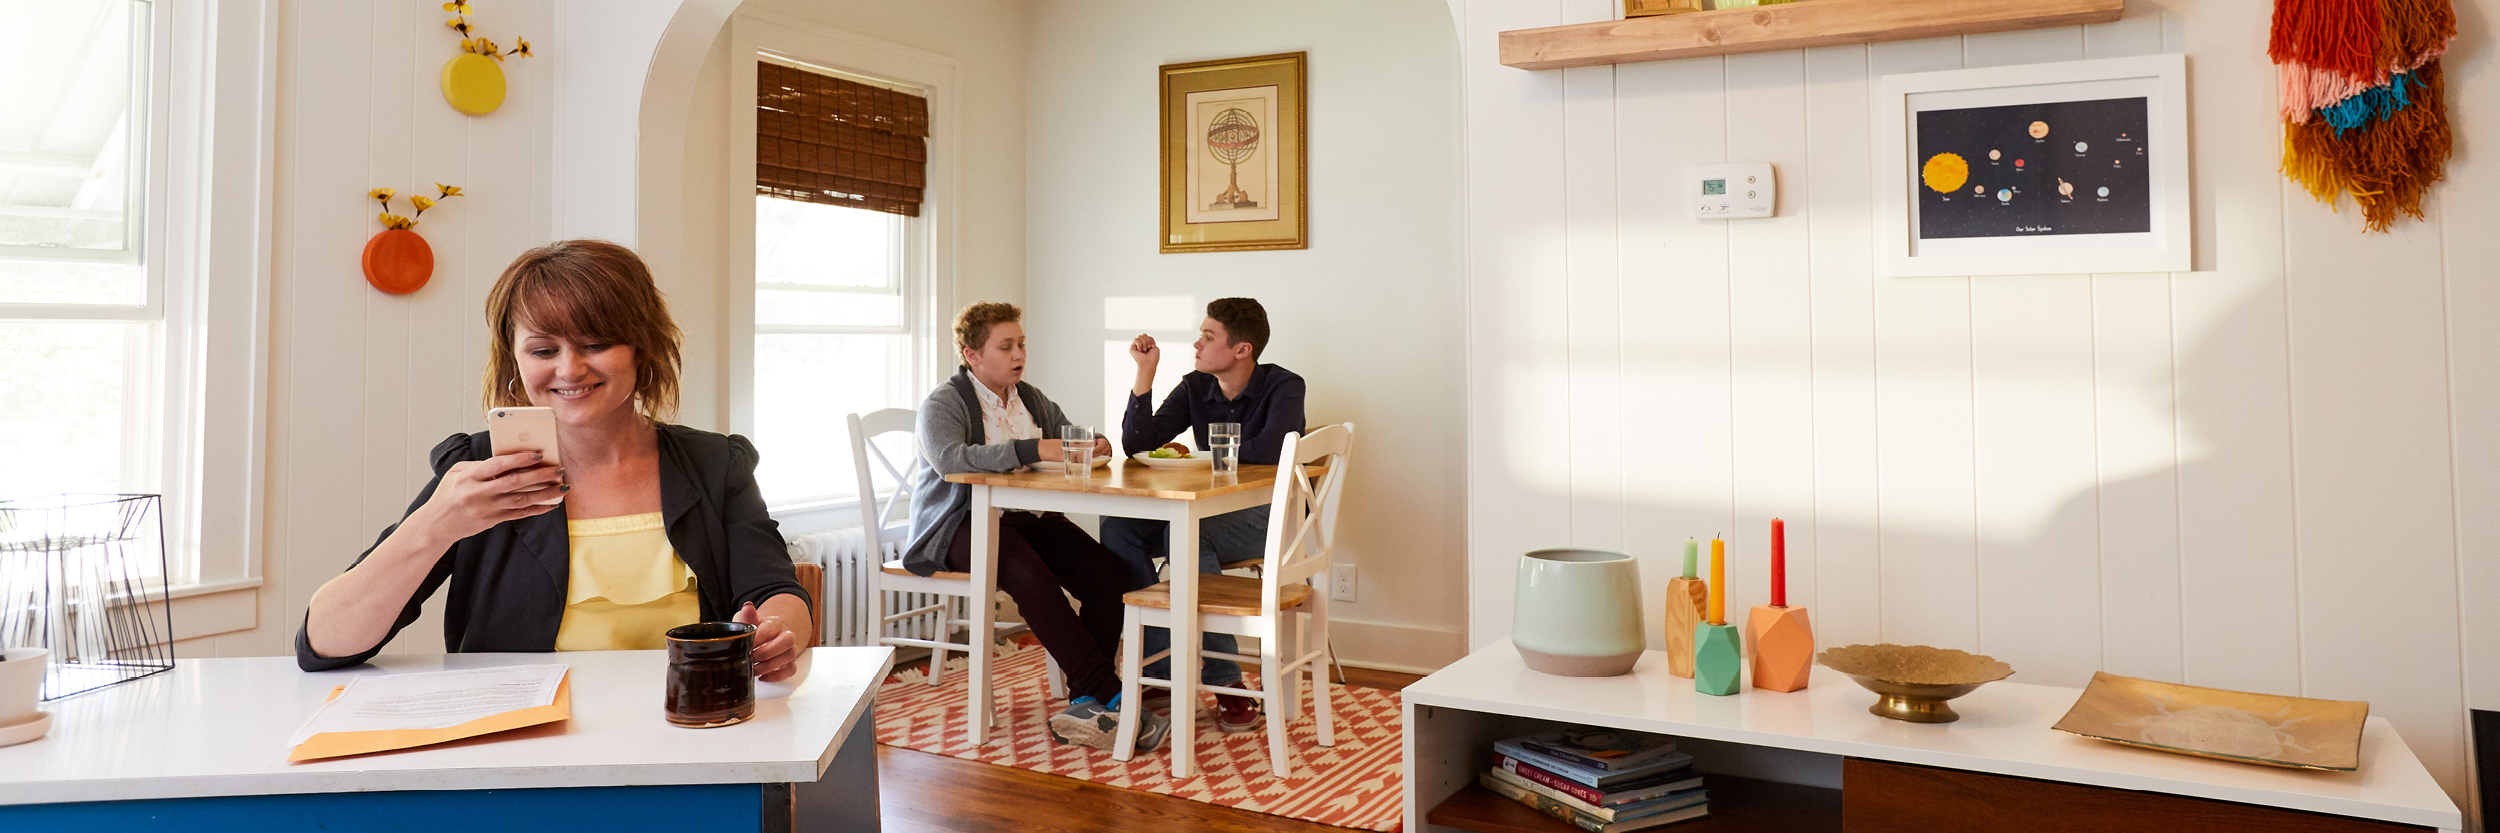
(1234, 170)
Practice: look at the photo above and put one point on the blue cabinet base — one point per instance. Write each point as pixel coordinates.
(706, 808)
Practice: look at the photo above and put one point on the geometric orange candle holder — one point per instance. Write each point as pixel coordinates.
(1685, 599)
(1783, 647)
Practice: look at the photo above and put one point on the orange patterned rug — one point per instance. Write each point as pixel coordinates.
(1354, 784)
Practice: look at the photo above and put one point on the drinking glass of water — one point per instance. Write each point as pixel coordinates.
(1224, 445)
(1076, 451)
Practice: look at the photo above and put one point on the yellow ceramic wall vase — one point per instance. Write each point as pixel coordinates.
(473, 83)
(473, 80)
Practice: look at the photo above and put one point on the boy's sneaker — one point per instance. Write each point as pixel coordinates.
(1235, 714)
(1088, 722)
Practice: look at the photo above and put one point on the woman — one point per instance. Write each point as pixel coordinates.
(987, 419)
(647, 526)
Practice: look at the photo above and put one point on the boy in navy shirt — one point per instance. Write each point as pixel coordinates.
(1229, 385)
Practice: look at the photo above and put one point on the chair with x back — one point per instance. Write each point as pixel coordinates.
(887, 525)
(1301, 543)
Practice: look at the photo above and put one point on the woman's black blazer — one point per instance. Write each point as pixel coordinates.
(508, 583)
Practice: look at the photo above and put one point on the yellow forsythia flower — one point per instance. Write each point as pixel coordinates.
(522, 50)
(383, 194)
(396, 221)
(422, 202)
(467, 45)
(486, 47)
(448, 190)
(456, 7)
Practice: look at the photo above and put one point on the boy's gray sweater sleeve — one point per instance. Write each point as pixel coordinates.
(943, 427)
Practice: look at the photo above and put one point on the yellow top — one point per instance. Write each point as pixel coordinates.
(627, 586)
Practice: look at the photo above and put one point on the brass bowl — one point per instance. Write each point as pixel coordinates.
(1912, 682)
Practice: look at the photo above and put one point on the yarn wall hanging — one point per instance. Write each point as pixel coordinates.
(473, 80)
(2365, 110)
(397, 261)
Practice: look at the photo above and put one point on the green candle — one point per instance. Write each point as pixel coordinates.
(1692, 555)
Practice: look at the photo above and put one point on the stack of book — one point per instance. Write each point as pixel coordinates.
(1602, 781)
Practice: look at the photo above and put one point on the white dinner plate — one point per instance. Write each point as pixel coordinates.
(1193, 461)
(1047, 465)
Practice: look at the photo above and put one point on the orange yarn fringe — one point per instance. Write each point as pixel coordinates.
(2329, 50)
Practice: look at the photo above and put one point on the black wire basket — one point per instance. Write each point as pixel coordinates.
(84, 577)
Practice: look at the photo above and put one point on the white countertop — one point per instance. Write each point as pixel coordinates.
(217, 727)
(2004, 729)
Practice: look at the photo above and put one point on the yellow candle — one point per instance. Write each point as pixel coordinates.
(1718, 582)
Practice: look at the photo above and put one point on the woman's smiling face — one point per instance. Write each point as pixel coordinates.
(586, 381)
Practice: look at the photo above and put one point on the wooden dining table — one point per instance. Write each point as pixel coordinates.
(1124, 488)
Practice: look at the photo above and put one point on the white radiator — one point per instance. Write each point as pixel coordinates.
(850, 575)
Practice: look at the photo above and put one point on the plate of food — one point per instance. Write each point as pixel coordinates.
(1048, 465)
(1165, 458)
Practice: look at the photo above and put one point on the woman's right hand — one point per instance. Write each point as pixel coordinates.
(474, 496)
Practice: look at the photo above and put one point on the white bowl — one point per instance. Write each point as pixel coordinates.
(1193, 461)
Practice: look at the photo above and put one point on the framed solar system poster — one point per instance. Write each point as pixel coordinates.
(1233, 166)
(2042, 169)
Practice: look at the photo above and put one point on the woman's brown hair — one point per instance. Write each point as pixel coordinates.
(583, 291)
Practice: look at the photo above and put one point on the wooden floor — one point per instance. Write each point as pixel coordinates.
(924, 792)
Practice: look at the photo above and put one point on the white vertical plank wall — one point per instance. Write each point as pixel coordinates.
(2278, 472)
(362, 384)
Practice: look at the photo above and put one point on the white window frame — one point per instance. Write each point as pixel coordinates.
(210, 127)
(929, 240)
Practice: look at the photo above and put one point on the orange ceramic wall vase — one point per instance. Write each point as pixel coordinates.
(397, 261)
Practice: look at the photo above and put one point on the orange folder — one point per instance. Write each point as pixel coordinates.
(335, 744)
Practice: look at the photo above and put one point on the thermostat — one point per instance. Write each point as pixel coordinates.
(1734, 191)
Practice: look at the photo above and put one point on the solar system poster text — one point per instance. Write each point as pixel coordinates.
(2023, 170)
(1232, 159)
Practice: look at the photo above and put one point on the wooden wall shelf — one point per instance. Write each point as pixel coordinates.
(1788, 26)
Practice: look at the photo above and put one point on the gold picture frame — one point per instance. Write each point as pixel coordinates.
(1234, 170)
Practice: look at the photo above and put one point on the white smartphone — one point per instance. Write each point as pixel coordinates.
(525, 429)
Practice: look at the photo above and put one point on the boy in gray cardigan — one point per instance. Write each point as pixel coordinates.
(986, 418)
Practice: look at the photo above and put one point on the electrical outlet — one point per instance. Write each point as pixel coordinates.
(1341, 583)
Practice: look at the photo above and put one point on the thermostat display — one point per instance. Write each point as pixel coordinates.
(1734, 191)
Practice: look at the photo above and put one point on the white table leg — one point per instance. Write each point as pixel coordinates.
(984, 608)
(1185, 630)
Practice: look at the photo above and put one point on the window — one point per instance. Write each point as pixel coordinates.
(839, 283)
(830, 340)
(84, 394)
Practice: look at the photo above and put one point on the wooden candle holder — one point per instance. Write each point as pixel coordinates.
(1783, 647)
(1685, 599)
(1718, 659)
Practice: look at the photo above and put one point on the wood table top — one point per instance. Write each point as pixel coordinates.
(1129, 477)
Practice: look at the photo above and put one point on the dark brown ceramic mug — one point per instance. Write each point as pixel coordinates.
(711, 674)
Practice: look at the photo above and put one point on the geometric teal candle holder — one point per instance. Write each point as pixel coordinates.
(1718, 659)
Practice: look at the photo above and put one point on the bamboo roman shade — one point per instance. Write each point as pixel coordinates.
(826, 140)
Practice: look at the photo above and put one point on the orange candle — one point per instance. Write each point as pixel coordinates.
(1718, 582)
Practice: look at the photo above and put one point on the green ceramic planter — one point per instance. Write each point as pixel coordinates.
(1577, 612)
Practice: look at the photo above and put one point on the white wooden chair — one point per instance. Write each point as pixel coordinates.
(1301, 543)
(888, 530)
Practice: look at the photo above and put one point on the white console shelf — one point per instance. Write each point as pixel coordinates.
(1453, 716)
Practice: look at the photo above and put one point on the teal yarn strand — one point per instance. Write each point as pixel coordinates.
(2377, 103)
